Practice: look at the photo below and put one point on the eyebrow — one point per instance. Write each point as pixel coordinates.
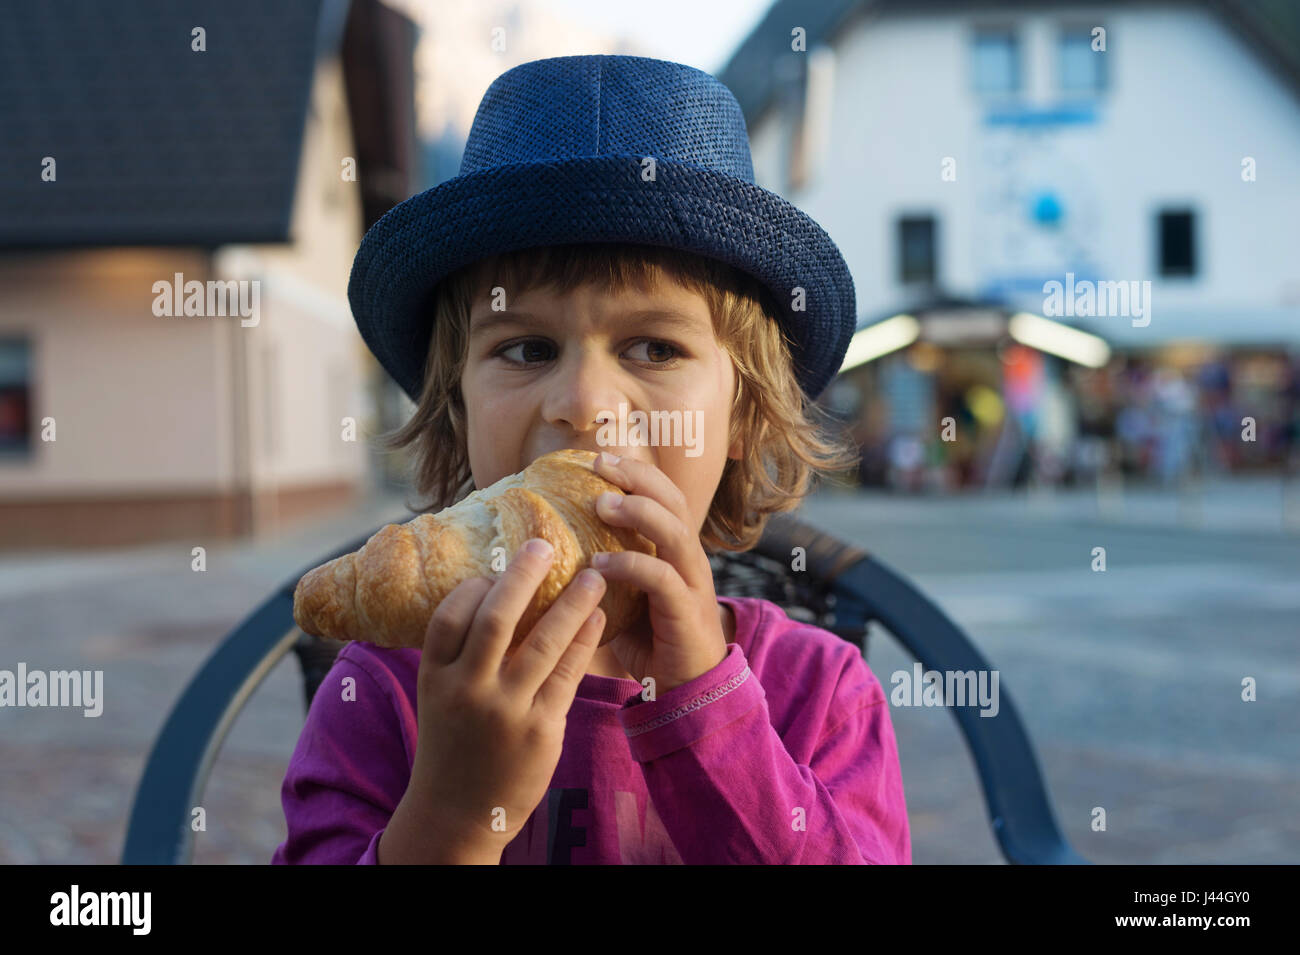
(660, 316)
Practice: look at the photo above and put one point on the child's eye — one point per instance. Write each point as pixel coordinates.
(666, 351)
(533, 350)
(528, 343)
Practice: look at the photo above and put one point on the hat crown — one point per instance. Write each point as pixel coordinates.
(582, 106)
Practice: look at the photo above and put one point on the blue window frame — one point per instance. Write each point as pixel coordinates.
(1082, 69)
(996, 60)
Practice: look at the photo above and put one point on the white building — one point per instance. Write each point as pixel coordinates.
(980, 151)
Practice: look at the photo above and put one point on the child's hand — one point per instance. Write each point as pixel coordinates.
(490, 734)
(685, 638)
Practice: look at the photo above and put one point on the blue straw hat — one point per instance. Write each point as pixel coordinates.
(556, 156)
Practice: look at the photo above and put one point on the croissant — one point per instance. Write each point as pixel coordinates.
(386, 592)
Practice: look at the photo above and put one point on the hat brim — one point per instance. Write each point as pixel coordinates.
(599, 199)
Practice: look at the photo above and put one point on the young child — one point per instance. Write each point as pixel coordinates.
(604, 250)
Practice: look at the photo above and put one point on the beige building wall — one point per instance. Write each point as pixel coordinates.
(139, 402)
(172, 426)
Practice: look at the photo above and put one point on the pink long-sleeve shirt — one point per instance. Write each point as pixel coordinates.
(782, 753)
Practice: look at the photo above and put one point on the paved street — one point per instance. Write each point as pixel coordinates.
(1129, 680)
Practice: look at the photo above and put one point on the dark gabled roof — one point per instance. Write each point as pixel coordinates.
(1272, 27)
(749, 74)
(154, 144)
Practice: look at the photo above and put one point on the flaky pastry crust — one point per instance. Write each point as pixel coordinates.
(386, 592)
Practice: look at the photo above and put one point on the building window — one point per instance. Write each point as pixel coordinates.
(916, 250)
(996, 57)
(1083, 69)
(15, 398)
(1177, 242)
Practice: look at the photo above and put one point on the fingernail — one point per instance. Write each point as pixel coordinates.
(611, 500)
(599, 560)
(607, 458)
(590, 579)
(540, 547)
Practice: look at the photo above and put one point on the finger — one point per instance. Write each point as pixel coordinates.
(674, 541)
(494, 624)
(642, 477)
(450, 621)
(555, 695)
(656, 577)
(535, 658)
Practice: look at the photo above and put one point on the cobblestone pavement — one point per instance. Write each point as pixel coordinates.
(1131, 694)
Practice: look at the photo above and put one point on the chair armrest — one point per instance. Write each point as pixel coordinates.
(1014, 791)
(176, 773)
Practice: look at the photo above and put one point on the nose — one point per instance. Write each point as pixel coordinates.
(581, 393)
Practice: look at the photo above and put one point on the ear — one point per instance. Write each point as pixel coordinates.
(736, 448)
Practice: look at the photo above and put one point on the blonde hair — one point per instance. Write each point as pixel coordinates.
(786, 442)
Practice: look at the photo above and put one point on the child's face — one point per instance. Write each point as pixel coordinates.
(540, 375)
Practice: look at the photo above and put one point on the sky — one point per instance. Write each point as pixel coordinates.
(458, 54)
(699, 33)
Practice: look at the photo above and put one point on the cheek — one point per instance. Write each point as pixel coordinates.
(494, 415)
(723, 395)
(480, 393)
